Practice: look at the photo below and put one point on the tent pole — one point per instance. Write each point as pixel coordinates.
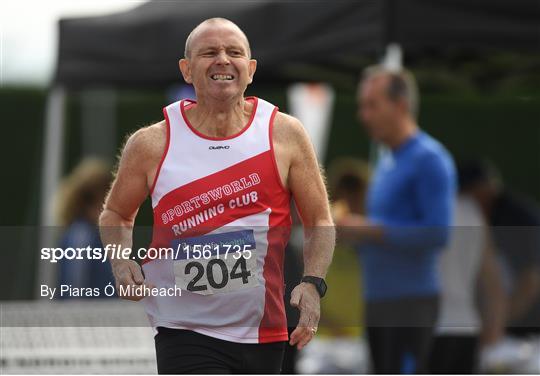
(98, 123)
(50, 178)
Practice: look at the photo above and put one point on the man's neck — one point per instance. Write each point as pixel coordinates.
(220, 118)
(406, 129)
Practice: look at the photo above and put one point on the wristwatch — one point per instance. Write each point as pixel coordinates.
(319, 283)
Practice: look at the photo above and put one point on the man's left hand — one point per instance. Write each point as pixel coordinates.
(306, 298)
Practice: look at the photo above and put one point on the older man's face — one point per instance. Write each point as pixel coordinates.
(376, 111)
(219, 65)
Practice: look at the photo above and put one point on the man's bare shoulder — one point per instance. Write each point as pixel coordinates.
(288, 129)
(148, 142)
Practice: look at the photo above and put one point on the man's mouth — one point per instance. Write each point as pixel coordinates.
(222, 77)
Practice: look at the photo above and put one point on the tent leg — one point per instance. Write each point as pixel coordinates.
(98, 123)
(50, 178)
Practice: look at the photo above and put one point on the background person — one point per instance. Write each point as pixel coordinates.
(348, 180)
(409, 213)
(79, 202)
(338, 350)
(515, 224)
(473, 299)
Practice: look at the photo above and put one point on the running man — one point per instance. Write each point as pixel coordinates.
(221, 171)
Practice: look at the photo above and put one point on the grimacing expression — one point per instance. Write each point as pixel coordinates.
(377, 112)
(219, 65)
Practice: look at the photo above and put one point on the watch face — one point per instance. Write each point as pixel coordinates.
(319, 283)
(322, 287)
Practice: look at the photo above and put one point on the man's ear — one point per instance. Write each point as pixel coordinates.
(252, 67)
(185, 68)
(403, 105)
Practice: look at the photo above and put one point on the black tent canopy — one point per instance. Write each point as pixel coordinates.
(292, 40)
(142, 46)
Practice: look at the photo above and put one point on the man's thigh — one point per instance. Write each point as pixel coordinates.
(183, 351)
(262, 358)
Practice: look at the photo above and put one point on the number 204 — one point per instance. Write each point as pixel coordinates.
(239, 270)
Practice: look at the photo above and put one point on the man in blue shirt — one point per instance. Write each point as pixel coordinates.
(409, 206)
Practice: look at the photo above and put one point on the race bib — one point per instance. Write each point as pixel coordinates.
(216, 263)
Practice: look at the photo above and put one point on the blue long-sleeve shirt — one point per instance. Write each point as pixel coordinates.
(411, 196)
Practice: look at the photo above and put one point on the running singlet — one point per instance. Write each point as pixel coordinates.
(220, 207)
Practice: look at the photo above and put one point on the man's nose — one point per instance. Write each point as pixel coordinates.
(222, 58)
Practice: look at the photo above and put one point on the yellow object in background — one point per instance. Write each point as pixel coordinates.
(342, 308)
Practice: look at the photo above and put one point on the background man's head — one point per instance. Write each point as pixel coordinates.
(385, 100)
(348, 180)
(479, 179)
(218, 60)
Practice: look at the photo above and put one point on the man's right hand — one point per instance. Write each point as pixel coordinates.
(128, 273)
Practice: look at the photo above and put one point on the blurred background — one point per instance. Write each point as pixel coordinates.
(77, 77)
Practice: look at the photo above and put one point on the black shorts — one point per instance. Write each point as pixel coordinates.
(181, 351)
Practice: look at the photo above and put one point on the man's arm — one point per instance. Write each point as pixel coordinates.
(525, 292)
(493, 299)
(136, 171)
(306, 184)
(526, 248)
(435, 190)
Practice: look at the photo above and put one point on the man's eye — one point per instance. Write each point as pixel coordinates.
(236, 53)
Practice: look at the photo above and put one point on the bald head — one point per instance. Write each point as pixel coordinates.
(212, 22)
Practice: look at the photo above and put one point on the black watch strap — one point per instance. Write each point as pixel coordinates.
(319, 283)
